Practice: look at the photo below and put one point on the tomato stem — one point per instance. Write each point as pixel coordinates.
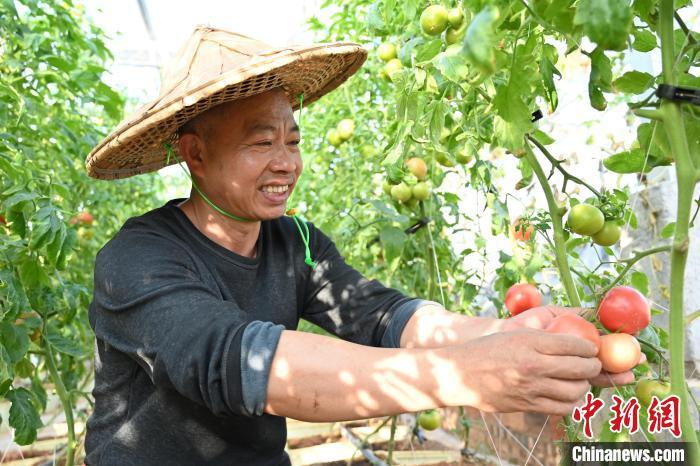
(630, 263)
(392, 436)
(686, 179)
(65, 399)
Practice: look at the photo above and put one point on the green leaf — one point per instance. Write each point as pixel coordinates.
(24, 417)
(63, 344)
(393, 240)
(605, 22)
(633, 82)
(452, 64)
(480, 40)
(600, 79)
(544, 138)
(644, 41)
(633, 161)
(669, 230)
(427, 51)
(14, 340)
(640, 282)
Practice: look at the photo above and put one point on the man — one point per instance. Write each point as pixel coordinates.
(196, 303)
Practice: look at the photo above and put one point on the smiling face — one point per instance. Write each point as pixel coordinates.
(244, 154)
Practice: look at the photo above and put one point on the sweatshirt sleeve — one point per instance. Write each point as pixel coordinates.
(151, 304)
(343, 302)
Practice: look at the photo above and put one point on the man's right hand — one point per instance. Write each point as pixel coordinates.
(527, 370)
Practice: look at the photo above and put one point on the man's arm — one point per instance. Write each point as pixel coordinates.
(316, 378)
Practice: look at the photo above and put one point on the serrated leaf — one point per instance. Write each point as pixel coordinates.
(633, 82)
(640, 282)
(428, 50)
(605, 22)
(669, 230)
(14, 340)
(480, 40)
(452, 64)
(24, 417)
(63, 344)
(600, 79)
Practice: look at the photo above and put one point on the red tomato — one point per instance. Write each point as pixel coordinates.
(521, 297)
(573, 324)
(624, 309)
(619, 352)
(522, 232)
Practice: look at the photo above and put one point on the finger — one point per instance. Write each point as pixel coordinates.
(571, 367)
(569, 391)
(550, 407)
(642, 358)
(606, 379)
(557, 344)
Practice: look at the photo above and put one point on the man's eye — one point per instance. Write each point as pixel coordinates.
(295, 142)
(263, 143)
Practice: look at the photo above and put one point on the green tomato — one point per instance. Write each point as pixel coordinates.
(368, 151)
(392, 66)
(345, 129)
(465, 154)
(430, 420)
(386, 51)
(454, 36)
(608, 235)
(585, 219)
(334, 138)
(386, 187)
(444, 160)
(456, 17)
(401, 192)
(434, 20)
(421, 191)
(646, 388)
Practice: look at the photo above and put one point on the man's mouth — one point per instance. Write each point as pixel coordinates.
(275, 188)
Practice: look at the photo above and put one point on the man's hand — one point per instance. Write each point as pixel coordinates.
(539, 317)
(529, 370)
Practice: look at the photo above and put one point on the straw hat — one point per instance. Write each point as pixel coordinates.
(216, 66)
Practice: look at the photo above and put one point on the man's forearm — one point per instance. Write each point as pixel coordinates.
(315, 378)
(432, 326)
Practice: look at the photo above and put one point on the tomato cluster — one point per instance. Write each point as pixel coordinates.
(588, 220)
(342, 132)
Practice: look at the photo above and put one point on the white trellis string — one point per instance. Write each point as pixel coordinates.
(493, 444)
(535, 444)
(437, 266)
(508, 431)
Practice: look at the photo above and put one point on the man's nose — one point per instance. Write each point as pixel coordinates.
(284, 160)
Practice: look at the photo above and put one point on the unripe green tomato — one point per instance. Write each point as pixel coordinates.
(386, 51)
(392, 66)
(334, 138)
(465, 154)
(386, 187)
(434, 20)
(454, 36)
(421, 191)
(455, 16)
(444, 160)
(411, 203)
(429, 420)
(609, 234)
(646, 388)
(401, 192)
(585, 219)
(345, 129)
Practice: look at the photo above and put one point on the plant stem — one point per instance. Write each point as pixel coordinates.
(392, 437)
(557, 225)
(691, 317)
(685, 178)
(631, 261)
(65, 401)
(557, 164)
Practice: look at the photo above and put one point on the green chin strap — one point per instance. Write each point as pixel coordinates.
(298, 221)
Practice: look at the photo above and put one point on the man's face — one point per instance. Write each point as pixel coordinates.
(249, 159)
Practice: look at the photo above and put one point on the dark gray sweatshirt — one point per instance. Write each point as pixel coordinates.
(186, 331)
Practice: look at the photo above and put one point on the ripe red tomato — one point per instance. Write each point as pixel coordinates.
(521, 297)
(85, 217)
(522, 231)
(418, 167)
(624, 309)
(574, 324)
(619, 352)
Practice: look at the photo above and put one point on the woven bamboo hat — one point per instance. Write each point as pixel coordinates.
(216, 66)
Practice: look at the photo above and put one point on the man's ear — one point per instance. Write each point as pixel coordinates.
(191, 148)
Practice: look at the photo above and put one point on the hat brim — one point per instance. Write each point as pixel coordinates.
(137, 144)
